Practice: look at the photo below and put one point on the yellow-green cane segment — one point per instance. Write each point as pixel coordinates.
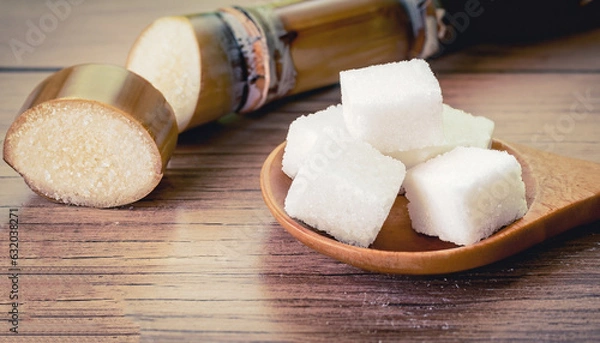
(92, 135)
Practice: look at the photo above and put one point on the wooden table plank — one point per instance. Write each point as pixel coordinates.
(553, 112)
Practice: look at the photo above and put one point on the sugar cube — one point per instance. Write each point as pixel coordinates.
(466, 194)
(395, 106)
(460, 129)
(305, 131)
(347, 192)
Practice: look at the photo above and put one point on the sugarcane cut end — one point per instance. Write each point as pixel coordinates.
(167, 55)
(92, 135)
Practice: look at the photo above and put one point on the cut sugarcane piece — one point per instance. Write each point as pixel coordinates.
(171, 44)
(92, 135)
(191, 61)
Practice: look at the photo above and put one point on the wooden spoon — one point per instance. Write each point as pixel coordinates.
(562, 193)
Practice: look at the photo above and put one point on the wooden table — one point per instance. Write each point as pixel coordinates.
(201, 258)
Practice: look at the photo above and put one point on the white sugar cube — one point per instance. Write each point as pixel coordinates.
(466, 194)
(460, 129)
(395, 106)
(306, 130)
(347, 192)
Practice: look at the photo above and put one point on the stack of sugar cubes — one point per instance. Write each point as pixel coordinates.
(391, 131)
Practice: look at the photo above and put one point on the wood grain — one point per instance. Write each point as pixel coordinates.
(202, 259)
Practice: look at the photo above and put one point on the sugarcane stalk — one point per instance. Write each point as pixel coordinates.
(237, 59)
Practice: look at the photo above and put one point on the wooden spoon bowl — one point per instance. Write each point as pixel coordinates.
(562, 193)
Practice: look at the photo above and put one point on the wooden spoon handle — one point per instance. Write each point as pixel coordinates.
(566, 191)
